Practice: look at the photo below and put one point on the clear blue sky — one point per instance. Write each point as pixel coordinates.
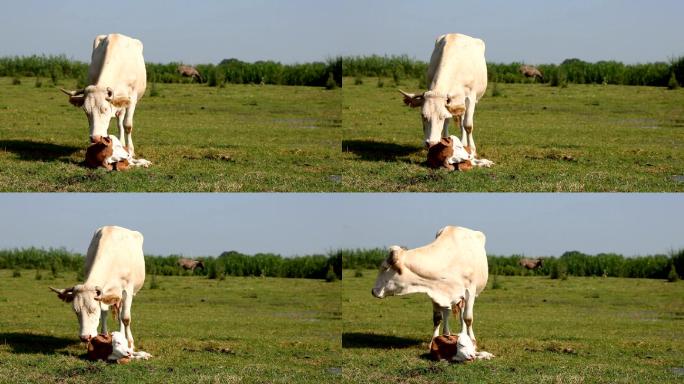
(533, 31)
(192, 31)
(289, 224)
(206, 31)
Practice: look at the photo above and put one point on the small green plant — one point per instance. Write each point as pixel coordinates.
(54, 76)
(496, 284)
(496, 91)
(330, 276)
(396, 78)
(559, 270)
(39, 276)
(154, 284)
(358, 80)
(672, 83)
(154, 92)
(381, 82)
(39, 82)
(16, 81)
(358, 273)
(16, 273)
(330, 83)
(672, 276)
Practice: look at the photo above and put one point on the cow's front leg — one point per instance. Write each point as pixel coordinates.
(468, 124)
(125, 318)
(120, 123)
(103, 321)
(445, 321)
(128, 127)
(436, 319)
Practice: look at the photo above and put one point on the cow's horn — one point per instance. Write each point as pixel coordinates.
(410, 95)
(73, 93)
(58, 291)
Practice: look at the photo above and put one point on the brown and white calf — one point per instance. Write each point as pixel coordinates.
(114, 273)
(451, 154)
(110, 154)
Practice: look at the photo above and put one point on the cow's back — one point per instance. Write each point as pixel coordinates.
(115, 253)
(458, 60)
(464, 250)
(117, 62)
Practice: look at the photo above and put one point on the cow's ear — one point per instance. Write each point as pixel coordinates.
(446, 141)
(109, 299)
(413, 100)
(121, 101)
(77, 101)
(394, 259)
(456, 110)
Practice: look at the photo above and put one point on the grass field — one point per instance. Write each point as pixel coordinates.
(237, 138)
(245, 330)
(575, 139)
(582, 330)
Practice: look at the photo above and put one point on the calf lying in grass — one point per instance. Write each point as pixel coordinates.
(458, 348)
(451, 154)
(113, 347)
(111, 154)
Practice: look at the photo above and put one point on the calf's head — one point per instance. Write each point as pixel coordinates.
(100, 105)
(98, 152)
(87, 301)
(436, 110)
(439, 154)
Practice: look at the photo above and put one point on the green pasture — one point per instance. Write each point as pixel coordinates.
(232, 138)
(580, 330)
(237, 330)
(583, 138)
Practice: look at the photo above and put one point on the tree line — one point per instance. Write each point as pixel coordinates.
(572, 263)
(231, 71)
(574, 71)
(231, 263)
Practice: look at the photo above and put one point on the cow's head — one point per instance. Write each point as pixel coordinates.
(100, 105)
(436, 110)
(87, 301)
(391, 278)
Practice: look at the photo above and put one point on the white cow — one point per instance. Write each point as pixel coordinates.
(452, 270)
(115, 272)
(457, 78)
(117, 80)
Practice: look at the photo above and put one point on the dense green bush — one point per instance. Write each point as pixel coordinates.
(231, 71)
(227, 264)
(574, 71)
(574, 263)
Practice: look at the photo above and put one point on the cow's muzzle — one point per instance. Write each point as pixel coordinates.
(85, 338)
(95, 139)
(376, 294)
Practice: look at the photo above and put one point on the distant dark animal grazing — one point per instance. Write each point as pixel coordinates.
(531, 263)
(190, 264)
(188, 71)
(531, 71)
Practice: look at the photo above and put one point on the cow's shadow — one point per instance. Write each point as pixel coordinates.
(37, 151)
(31, 343)
(378, 151)
(372, 340)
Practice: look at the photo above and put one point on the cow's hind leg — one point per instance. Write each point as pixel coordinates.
(468, 315)
(125, 318)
